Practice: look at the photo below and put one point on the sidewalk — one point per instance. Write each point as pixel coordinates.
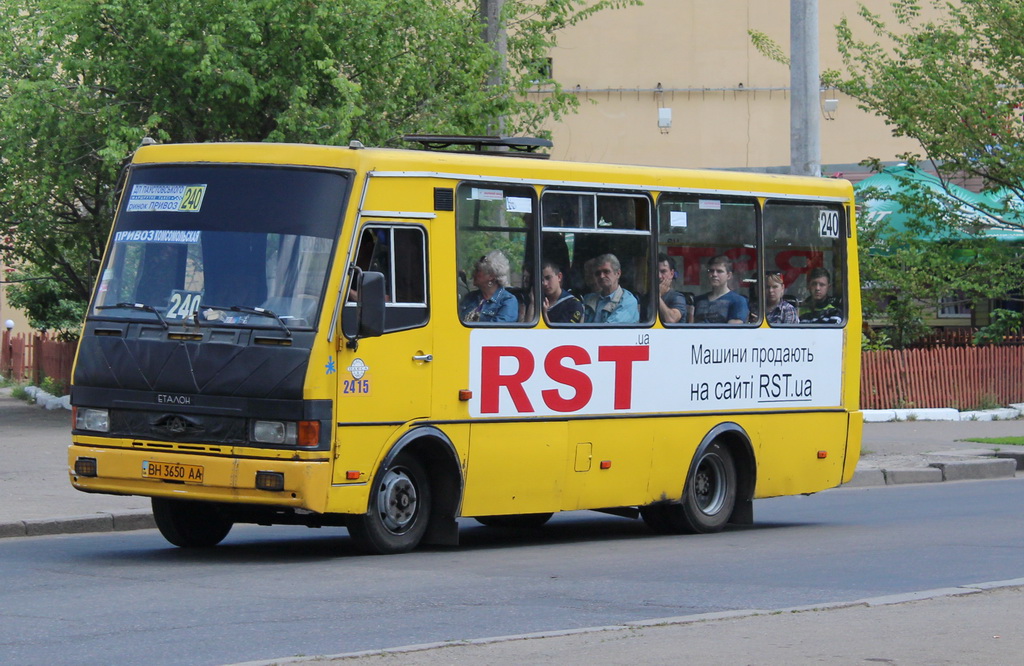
(973, 624)
(36, 497)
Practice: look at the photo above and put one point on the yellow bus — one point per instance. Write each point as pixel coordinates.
(389, 340)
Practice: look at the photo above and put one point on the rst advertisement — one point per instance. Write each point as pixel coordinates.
(583, 372)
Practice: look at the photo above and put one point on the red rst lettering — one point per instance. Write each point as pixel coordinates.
(571, 377)
(491, 379)
(623, 358)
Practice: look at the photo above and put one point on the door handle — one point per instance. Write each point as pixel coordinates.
(423, 357)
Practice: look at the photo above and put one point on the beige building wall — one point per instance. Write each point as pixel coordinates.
(729, 103)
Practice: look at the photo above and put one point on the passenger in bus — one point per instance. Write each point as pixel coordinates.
(588, 275)
(673, 306)
(780, 311)
(721, 305)
(560, 306)
(820, 307)
(490, 301)
(611, 303)
(527, 308)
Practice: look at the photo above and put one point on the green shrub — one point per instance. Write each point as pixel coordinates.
(1001, 324)
(53, 386)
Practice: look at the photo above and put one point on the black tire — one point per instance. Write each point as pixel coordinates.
(190, 524)
(710, 493)
(399, 510)
(521, 521)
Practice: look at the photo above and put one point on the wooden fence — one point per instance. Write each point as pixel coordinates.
(31, 358)
(959, 377)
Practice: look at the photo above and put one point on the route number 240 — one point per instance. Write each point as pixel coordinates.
(828, 224)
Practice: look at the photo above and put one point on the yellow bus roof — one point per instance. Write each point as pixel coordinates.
(461, 165)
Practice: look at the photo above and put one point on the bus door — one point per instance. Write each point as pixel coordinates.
(387, 380)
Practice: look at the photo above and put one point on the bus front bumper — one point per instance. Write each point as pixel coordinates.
(299, 484)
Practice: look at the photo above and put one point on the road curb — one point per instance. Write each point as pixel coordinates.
(121, 521)
(942, 414)
(964, 470)
(998, 467)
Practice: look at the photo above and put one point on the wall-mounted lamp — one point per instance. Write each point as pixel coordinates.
(829, 107)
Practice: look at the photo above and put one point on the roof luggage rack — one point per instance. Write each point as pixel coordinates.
(511, 146)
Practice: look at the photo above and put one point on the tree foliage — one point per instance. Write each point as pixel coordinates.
(954, 83)
(938, 254)
(82, 82)
(951, 78)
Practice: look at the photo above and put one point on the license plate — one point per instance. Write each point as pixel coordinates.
(172, 471)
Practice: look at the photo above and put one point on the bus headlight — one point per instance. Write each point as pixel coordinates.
(97, 420)
(294, 433)
(274, 432)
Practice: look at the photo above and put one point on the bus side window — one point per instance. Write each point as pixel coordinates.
(713, 242)
(601, 240)
(804, 245)
(496, 279)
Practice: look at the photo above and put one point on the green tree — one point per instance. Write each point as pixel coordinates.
(938, 253)
(954, 83)
(953, 80)
(82, 82)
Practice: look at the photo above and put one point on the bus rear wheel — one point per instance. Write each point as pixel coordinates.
(190, 524)
(398, 512)
(709, 497)
(524, 521)
(710, 493)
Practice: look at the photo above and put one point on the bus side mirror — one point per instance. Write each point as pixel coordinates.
(370, 306)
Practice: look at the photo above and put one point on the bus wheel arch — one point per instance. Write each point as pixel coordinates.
(718, 489)
(426, 452)
(735, 438)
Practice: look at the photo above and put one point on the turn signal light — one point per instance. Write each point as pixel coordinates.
(822, 455)
(309, 433)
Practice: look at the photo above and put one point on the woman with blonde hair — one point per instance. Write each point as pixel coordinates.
(780, 311)
(490, 301)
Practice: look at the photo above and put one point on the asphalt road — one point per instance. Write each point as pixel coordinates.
(279, 592)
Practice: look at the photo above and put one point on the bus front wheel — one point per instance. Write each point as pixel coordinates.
(190, 524)
(398, 512)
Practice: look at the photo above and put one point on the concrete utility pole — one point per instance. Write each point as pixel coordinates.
(494, 34)
(805, 85)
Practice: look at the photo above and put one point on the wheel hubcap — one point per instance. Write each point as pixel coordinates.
(396, 501)
(709, 484)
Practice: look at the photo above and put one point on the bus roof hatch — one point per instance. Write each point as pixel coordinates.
(513, 146)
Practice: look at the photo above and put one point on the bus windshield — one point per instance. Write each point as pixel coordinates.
(223, 245)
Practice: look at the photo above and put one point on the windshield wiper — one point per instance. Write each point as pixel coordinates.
(137, 306)
(263, 312)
